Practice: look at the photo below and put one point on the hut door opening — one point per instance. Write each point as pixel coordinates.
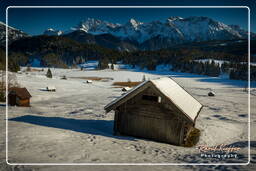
(12, 99)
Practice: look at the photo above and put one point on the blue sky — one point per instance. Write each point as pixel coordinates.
(35, 20)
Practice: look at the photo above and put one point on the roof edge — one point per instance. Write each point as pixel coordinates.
(109, 106)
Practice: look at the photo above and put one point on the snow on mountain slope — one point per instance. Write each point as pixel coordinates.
(174, 28)
(52, 32)
(203, 29)
(241, 31)
(13, 33)
(95, 26)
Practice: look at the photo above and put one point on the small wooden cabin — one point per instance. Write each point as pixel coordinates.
(19, 97)
(157, 109)
(88, 81)
(50, 88)
(126, 88)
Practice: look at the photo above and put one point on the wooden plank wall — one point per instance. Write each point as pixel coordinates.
(149, 119)
(24, 102)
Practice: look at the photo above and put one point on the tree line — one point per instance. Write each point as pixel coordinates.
(63, 52)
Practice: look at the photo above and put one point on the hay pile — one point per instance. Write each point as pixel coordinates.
(192, 137)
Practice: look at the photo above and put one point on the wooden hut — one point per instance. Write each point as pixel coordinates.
(88, 81)
(157, 109)
(126, 88)
(50, 88)
(19, 97)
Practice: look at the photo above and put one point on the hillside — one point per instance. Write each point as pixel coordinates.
(55, 51)
(14, 34)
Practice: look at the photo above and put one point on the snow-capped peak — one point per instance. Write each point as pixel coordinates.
(13, 33)
(134, 23)
(92, 25)
(50, 29)
(174, 18)
(175, 29)
(53, 32)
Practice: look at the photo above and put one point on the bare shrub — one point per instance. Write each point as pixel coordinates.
(192, 137)
(12, 82)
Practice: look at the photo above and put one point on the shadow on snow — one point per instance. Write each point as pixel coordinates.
(201, 78)
(95, 127)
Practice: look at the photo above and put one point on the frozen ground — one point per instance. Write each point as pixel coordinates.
(70, 125)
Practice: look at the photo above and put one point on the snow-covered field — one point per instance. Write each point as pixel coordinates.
(71, 126)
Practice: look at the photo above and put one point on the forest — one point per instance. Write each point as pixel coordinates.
(54, 51)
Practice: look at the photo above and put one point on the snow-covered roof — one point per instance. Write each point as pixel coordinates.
(171, 90)
(22, 93)
(51, 87)
(179, 96)
(126, 88)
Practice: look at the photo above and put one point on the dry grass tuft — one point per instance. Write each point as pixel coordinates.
(94, 78)
(35, 70)
(126, 84)
(192, 137)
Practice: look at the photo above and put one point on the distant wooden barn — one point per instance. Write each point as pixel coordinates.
(50, 88)
(156, 109)
(19, 97)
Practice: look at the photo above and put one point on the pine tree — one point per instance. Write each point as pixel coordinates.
(103, 63)
(224, 67)
(143, 78)
(28, 68)
(49, 73)
(112, 66)
(232, 75)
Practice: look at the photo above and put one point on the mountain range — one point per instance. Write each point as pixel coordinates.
(136, 35)
(152, 35)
